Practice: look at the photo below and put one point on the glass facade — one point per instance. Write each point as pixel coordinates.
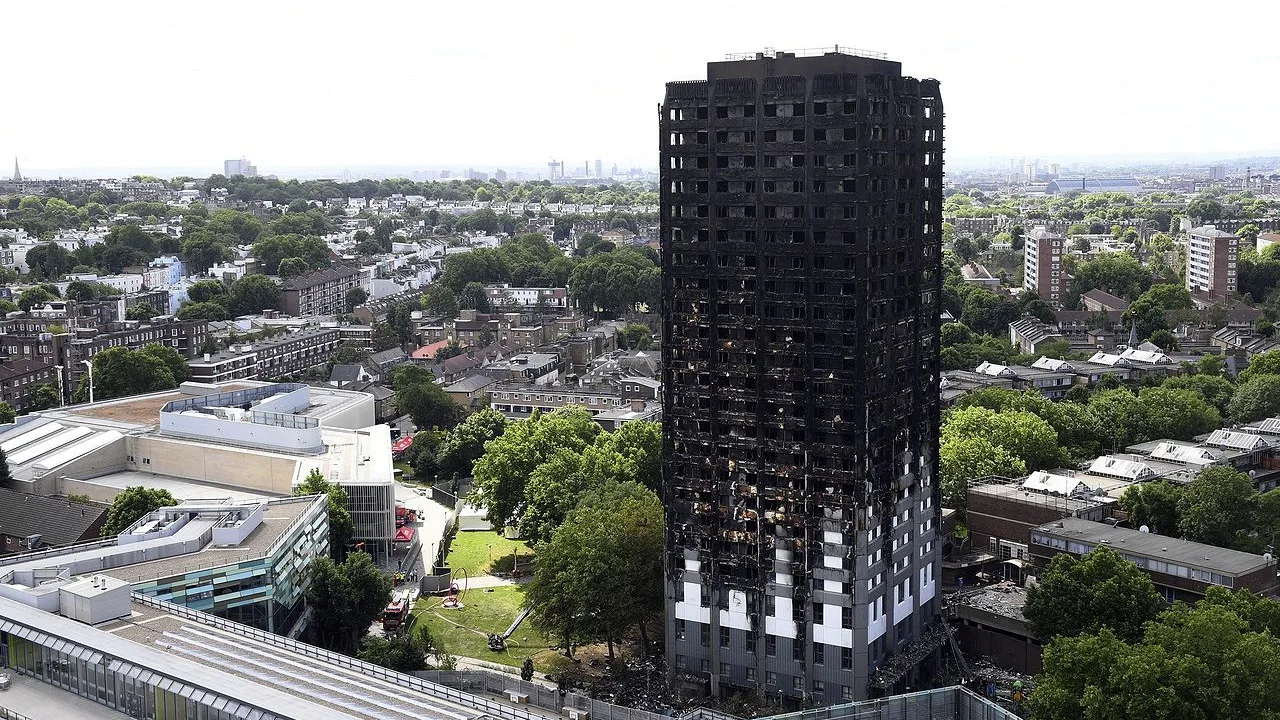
(266, 592)
(136, 692)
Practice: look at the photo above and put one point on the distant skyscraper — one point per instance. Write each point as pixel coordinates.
(1211, 262)
(1217, 172)
(801, 219)
(500, 175)
(17, 174)
(599, 169)
(231, 168)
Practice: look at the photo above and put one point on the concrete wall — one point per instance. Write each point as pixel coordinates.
(272, 474)
(242, 432)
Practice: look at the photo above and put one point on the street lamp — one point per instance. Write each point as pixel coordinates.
(90, 366)
(61, 396)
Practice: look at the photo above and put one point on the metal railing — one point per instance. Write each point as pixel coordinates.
(810, 52)
(440, 692)
(7, 714)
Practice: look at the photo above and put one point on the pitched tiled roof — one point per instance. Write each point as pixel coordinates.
(324, 275)
(55, 519)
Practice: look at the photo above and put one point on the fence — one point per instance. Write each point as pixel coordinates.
(440, 692)
(7, 714)
(539, 695)
(458, 686)
(954, 703)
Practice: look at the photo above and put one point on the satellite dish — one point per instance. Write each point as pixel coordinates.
(1145, 529)
(1266, 556)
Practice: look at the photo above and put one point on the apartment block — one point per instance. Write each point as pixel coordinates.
(1211, 262)
(801, 201)
(1043, 273)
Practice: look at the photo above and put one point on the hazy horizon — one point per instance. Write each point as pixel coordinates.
(331, 86)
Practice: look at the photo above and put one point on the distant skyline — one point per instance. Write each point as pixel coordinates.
(143, 86)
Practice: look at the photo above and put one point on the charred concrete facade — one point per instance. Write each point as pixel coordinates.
(801, 258)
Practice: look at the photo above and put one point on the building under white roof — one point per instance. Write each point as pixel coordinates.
(1146, 356)
(1120, 468)
(1045, 482)
(1054, 364)
(1236, 440)
(1185, 454)
(994, 370)
(1110, 360)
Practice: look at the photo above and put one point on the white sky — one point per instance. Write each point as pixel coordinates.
(441, 82)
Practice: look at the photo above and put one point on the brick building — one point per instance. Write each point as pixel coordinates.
(323, 292)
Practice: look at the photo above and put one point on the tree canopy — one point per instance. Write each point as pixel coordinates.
(342, 526)
(132, 503)
(347, 598)
(600, 576)
(1099, 590)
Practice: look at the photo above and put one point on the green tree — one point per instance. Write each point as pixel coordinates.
(404, 652)
(962, 460)
(1257, 398)
(1205, 209)
(49, 262)
(202, 311)
(202, 250)
(439, 300)
(1154, 504)
(252, 294)
(501, 475)
(270, 251)
(132, 503)
(46, 397)
(171, 358)
(1217, 508)
(290, 267)
(425, 401)
(356, 297)
(120, 372)
(34, 296)
(473, 297)
(640, 443)
(347, 598)
(6, 476)
(555, 486)
(7, 413)
(1267, 363)
(141, 313)
(1022, 434)
(464, 444)
(600, 576)
(1099, 590)
(1215, 389)
(342, 526)
(526, 670)
(208, 291)
(1205, 661)
(635, 336)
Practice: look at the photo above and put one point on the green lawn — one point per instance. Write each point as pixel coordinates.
(465, 632)
(478, 553)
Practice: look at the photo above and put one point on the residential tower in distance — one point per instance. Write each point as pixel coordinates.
(801, 198)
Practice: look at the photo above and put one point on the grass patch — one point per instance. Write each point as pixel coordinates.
(483, 613)
(406, 470)
(479, 552)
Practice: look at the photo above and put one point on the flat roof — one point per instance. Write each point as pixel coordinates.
(149, 655)
(1015, 492)
(180, 488)
(1159, 547)
(1005, 599)
(276, 519)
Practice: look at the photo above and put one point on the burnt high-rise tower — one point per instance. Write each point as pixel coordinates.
(801, 260)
